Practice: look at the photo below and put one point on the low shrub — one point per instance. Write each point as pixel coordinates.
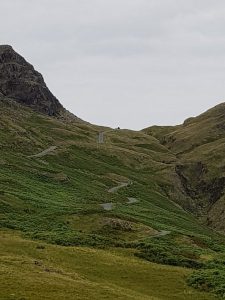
(209, 280)
(169, 254)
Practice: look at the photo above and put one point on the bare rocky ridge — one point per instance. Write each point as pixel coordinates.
(22, 83)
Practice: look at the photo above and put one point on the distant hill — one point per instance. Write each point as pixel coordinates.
(199, 145)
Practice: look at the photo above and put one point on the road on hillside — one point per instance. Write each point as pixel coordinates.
(109, 206)
(45, 152)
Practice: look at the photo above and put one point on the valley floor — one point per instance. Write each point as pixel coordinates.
(37, 270)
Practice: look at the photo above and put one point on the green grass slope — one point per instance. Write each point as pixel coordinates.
(34, 270)
(54, 178)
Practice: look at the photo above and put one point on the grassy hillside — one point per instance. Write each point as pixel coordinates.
(85, 273)
(40, 195)
(55, 181)
(199, 145)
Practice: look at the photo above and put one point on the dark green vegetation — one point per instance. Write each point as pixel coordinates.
(209, 280)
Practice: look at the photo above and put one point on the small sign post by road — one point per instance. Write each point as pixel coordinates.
(101, 138)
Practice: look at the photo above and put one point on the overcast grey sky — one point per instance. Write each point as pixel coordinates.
(128, 63)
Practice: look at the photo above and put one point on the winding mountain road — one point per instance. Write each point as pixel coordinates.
(109, 206)
(118, 187)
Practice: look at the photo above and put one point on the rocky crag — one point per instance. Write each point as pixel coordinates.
(22, 83)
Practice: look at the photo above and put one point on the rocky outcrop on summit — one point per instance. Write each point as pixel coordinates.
(22, 83)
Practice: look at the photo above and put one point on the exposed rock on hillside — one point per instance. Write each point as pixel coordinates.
(21, 82)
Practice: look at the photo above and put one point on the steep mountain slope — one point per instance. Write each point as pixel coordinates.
(78, 167)
(199, 145)
(54, 178)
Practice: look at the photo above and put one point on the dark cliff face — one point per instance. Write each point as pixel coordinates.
(21, 82)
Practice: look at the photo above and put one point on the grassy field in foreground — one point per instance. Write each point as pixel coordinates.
(36, 270)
